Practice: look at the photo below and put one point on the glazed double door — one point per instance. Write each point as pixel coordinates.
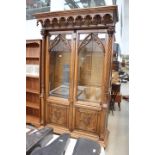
(74, 82)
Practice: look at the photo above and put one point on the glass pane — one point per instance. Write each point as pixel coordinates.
(90, 67)
(59, 65)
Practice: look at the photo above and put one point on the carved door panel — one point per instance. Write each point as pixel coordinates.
(86, 120)
(58, 115)
(59, 85)
(89, 69)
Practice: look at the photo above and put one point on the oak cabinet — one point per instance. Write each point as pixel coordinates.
(76, 64)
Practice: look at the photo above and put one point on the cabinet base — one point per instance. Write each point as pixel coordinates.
(76, 134)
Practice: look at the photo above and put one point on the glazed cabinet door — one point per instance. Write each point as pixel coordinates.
(59, 79)
(89, 69)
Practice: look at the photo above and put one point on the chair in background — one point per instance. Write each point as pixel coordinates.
(115, 96)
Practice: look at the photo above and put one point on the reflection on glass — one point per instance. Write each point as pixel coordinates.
(90, 68)
(59, 65)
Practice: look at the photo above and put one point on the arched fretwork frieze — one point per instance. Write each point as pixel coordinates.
(76, 21)
(89, 38)
(56, 41)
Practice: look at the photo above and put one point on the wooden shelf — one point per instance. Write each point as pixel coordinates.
(32, 105)
(32, 76)
(30, 43)
(32, 91)
(32, 119)
(32, 57)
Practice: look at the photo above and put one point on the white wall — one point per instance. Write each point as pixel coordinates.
(33, 31)
(57, 5)
(125, 28)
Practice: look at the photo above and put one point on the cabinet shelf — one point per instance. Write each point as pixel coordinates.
(32, 119)
(32, 91)
(32, 76)
(32, 57)
(32, 105)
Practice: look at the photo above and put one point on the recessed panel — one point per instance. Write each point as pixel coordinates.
(86, 119)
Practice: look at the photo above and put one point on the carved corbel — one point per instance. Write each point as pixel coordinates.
(110, 31)
(39, 21)
(44, 33)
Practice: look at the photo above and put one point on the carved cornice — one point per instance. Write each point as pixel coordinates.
(79, 18)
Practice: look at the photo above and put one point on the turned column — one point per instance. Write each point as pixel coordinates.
(42, 75)
(107, 66)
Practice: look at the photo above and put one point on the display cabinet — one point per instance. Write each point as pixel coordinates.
(33, 49)
(76, 66)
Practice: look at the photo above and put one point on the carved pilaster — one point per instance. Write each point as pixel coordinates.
(106, 81)
(44, 34)
(108, 60)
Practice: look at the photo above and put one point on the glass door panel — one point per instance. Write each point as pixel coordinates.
(90, 66)
(59, 62)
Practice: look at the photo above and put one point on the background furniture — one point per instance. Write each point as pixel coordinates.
(76, 65)
(33, 112)
(115, 96)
